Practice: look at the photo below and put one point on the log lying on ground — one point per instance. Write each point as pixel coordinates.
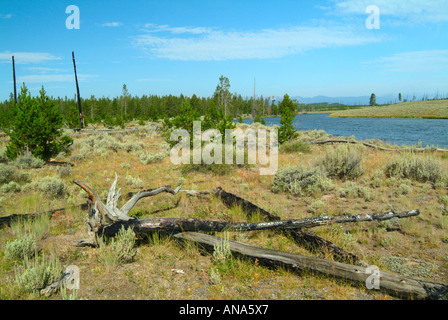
(394, 285)
(6, 221)
(314, 243)
(149, 225)
(249, 208)
(378, 147)
(310, 241)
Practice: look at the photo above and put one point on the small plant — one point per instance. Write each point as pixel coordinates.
(221, 251)
(12, 186)
(6, 173)
(302, 181)
(295, 146)
(148, 158)
(38, 273)
(316, 206)
(22, 248)
(52, 187)
(343, 162)
(64, 171)
(136, 182)
(411, 167)
(403, 189)
(28, 161)
(3, 157)
(119, 250)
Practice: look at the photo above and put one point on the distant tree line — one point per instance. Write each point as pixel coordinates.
(125, 108)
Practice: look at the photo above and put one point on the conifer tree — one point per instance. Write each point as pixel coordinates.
(287, 110)
(36, 127)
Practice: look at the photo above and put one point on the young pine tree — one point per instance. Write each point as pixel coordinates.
(36, 127)
(287, 110)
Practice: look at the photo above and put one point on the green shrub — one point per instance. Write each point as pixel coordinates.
(295, 146)
(23, 176)
(3, 157)
(64, 171)
(28, 161)
(403, 189)
(343, 162)
(12, 186)
(147, 158)
(120, 249)
(302, 181)
(412, 167)
(52, 187)
(38, 273)
(21, 248)
(6, 173)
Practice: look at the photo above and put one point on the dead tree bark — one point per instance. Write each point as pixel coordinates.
(398, 286)
(101, 214)
(146, 226)
(369, 145)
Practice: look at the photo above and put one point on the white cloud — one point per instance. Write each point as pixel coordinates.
(27, 57)
(415, 61)
(409, 11)
(5, 16)
(264, 44)
(150, 27)
(112, 24)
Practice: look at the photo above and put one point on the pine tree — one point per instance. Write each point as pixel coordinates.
(287, 113)
(373, 100)
(36, 127)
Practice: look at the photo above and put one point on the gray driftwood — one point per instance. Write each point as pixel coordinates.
(101, 214)
(394, 285)
(369, 145)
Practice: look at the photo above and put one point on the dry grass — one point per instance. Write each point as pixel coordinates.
(155, 272)
(437, 109)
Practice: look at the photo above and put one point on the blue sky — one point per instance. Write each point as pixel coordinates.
(303, 48)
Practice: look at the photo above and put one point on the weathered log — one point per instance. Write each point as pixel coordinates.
(150, 225)
(249, 208)
(369, 145)
(310, 241)
(6, 221)
(394, 285)
(314, 243)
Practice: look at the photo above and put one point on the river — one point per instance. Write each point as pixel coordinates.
(430, 132)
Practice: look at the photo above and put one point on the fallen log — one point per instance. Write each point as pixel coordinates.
(6, 221)
(314, 243)
(249, 208)
(149, 225)
(394, 285)
(308, 240)
(369, 145)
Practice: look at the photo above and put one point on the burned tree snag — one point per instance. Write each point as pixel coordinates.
(81, 116)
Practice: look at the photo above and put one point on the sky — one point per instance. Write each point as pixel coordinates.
(302, 48)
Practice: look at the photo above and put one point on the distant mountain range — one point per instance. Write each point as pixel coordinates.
(362, 100)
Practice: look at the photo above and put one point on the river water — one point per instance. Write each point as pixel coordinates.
(430, 132)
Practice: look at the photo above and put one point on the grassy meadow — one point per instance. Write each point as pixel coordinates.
(432, 109)
(348, 180)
